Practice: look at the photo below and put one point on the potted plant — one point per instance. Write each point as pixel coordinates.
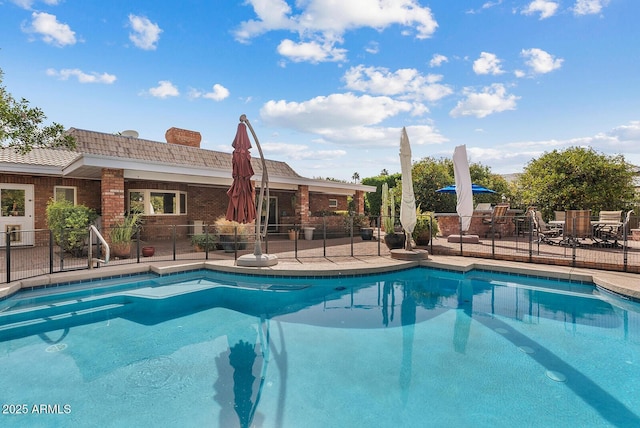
(230, 235)
(361, 223)
(121, 234)
(393, 239)
(293, 234)
(204, 242)
(426, 227)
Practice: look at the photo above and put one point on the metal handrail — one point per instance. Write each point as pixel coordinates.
(93, 230)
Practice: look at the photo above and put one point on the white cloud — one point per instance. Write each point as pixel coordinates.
(93, 77)
(145, 33)
(541, 62)
(325, 22)
(546, 8)
(437, 60)
(589, 7)
(347, 119)
(406, 83)
(313, 52)
(51, 31)
(164, 89)
(492, 99)
(27, 4)
(372, 48)
(218, 93)
(300, 152)
(488, 63)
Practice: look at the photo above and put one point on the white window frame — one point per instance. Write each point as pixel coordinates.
(75, 192)
(146, 196)
(333, 203)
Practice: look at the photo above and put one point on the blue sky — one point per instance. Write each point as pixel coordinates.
(328, 85)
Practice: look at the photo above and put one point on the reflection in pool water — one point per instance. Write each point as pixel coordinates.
(411, 348)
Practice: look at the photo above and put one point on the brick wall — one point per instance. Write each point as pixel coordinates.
(112, 191)
(87, 191)
(320, 202)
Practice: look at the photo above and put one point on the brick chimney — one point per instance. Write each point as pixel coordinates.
(183, 137)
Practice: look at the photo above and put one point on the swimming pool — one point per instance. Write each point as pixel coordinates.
(418, 347)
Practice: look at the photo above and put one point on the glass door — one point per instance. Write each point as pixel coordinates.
(16, 214)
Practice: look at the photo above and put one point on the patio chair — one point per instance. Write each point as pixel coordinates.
(608, 228)
(542, 231)
(498, 216)
(577, 226)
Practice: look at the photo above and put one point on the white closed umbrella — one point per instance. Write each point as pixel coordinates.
(408, 204)
(464, 192)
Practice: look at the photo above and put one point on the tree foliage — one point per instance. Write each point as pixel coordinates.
(373, 201)
(577, 178)
(430, 174)
(21, 126)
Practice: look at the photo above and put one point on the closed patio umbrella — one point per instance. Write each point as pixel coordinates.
(408, 203)
(241, 194)
(463, 186)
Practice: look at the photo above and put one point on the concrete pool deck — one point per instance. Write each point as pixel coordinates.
(626, 284)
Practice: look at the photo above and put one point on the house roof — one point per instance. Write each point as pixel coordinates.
(153, 160)
(119, 147)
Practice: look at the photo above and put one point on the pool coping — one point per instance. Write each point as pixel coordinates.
(621, 283)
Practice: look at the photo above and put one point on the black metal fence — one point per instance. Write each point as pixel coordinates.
(324, 238)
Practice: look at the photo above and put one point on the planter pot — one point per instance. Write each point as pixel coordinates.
(423, 238)
(228, 244)
(293, 235)
(394, 240)
(121, 250)
(308, 233)
(366, 233)
(148, 251)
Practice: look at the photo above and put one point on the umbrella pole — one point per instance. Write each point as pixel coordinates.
(264, 184)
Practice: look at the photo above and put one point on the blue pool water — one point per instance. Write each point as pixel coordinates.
(414, 348)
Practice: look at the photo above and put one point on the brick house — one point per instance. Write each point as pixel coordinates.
(114, 173)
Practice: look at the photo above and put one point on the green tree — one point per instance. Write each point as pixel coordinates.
(21, 126)
(430, 174)
(373, 201)
(577, 178)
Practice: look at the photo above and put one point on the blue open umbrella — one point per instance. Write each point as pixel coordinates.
(475, 188)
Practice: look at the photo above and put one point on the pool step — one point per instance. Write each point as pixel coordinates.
(58, 316)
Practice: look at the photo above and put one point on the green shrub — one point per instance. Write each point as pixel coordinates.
(70, 225)
(206, 242)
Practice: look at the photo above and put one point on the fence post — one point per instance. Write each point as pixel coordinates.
(206, 239)
(137, 245)
(493, 238)
(235, 242)
(530, 220)
(379, 225)
(351, 233)
(324, 235)
(7, 243)
(625, 249)
(50, 251)
(173, 236)
(295, 239)
(460, 224)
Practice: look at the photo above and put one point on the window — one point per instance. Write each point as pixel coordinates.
(157, 202)
(333, 203)
(65, 193)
